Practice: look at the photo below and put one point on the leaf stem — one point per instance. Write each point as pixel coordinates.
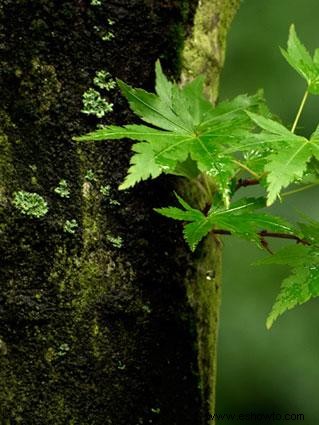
(300, 189)
(244, 167)
(302, 104)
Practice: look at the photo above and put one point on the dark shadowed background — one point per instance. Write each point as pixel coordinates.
(268, 371)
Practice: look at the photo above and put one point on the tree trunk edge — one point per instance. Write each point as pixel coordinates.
(204, 50)
(204, 54)
(203, 293)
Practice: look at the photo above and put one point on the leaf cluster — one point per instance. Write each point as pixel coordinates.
(221, 149)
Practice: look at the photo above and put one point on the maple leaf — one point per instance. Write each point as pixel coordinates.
(184, 134)
(301, 285)
(185, 127)
(240, 219)
(143, 155)
(289, 155)
(300, 59)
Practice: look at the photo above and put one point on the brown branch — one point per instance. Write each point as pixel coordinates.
(266, 234)
(246, 182)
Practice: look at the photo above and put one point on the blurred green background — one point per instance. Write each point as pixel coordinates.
(278, 370)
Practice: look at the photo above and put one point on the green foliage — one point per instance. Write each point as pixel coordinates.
(188, 128)
(239, 219)
(302, 284)
(224, 148)
(62, 189)
(289, 155)
(142, 166)
(300, 59)
(310, 230)
(30, 204)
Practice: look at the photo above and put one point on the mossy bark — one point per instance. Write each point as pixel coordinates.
(97, 326)
(204, 50)
(204, 54)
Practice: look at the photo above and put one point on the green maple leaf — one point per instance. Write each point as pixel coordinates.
(184, 134)
(296, 289)
(256, 148)
(188, 214)
(186, 130)
(300, 59)
(286, 166)
(271, 126)
(289, 157)
(137, 171)
(163, 86)
(241, 219)
(301, 285)
(290, 163)
(315, 135)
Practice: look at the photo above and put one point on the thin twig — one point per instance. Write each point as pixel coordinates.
(246, 182)
(266, 234)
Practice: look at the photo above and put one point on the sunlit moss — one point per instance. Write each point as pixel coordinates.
(204, 51)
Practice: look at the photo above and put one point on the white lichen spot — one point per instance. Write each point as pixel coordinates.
(116, 241)
(104, 80)
(62, 189)
(30, 204)
(70, 226)
(94, 104)
(105, 190)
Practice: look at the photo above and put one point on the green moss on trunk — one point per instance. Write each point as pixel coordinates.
(204, 50)
(204, 53)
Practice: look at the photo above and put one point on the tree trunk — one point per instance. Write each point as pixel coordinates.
(113, 322)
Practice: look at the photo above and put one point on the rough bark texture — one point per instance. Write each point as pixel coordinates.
(204, 51)
(92, 330)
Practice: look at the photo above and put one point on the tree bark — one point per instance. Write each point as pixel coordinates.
(204, 54)
(204, 50)
(95, 329)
